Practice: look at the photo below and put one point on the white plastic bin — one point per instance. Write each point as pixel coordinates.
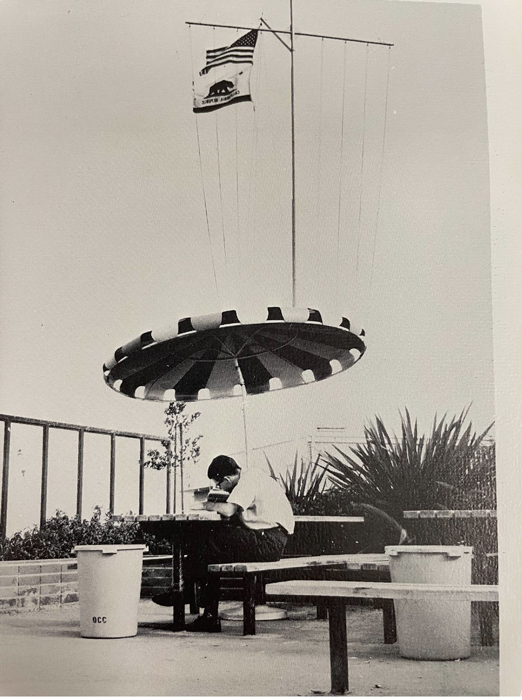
(439, 629)
(109, 583)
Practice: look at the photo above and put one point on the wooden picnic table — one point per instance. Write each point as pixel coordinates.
(183, 528)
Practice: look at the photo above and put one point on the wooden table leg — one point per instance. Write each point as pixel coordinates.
(338, 646)
(321, 608)
(249, 604)
(322, 611)
(194, 599)
(486, 612)
(389, 623)
(178, 612)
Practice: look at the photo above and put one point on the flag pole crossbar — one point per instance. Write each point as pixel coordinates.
(283, 31)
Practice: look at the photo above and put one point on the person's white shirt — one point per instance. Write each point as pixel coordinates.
(262, 501)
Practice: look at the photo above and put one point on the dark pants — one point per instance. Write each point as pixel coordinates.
(228, 544)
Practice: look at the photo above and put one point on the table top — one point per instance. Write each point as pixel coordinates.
(202, 514)
(415, 514)
(208, 515)
(329, 518)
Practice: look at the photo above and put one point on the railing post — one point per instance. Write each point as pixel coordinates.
(5, 476)
(112, 478)
(79, 483)
(45, 469)
(142, 477)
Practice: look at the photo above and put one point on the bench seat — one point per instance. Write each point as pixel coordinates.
(338, 593)
(402, 591)
(252, 575)
(353, 561)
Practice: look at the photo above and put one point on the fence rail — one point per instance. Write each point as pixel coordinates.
(47, 427)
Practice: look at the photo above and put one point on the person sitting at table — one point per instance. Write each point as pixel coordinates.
(259, 518)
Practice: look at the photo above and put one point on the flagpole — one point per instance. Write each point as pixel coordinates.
(293, 148)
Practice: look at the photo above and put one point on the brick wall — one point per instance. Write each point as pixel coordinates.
(157, 575)
(31, 585)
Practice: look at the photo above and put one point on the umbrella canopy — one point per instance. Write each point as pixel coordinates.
(218, 355)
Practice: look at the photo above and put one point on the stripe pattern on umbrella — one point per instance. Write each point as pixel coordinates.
(209, 357)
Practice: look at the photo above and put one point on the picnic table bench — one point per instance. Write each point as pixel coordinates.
(253, 584)
(336, 594)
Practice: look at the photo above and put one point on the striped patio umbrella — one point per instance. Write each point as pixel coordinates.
(218, 356)
(225, 355)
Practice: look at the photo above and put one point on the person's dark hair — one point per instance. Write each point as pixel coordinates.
(222, 466)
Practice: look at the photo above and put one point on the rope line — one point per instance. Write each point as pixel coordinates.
(238, 236)
(320, 147)
(337, 269)
(379, 187)
(219, 177)
(253, 158)
(362, 178)
(203, 180)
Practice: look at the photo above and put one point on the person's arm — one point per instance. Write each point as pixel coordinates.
(226, 510)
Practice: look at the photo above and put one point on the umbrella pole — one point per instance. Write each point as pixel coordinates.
(243, 409)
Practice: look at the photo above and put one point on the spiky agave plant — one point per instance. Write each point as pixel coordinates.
(303, 483)
(410, 472)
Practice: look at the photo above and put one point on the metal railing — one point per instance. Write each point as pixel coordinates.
(47, 426)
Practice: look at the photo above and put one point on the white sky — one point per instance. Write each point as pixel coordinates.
(103, 235)
(103, 224)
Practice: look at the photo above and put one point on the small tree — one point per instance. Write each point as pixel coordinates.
(179, 447)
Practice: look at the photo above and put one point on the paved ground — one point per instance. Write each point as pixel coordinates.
(43, 654)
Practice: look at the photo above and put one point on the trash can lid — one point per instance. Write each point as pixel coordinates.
(455, 550)
(109, 548)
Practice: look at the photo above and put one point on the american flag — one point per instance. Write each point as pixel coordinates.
(241, 51)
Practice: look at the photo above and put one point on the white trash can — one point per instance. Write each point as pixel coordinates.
(438, 630)
(109, 583)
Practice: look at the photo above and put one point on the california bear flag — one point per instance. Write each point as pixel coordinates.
(226, 75)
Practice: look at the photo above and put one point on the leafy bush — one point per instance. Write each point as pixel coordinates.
(62, 533)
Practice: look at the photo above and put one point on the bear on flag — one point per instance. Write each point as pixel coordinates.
(226, 75)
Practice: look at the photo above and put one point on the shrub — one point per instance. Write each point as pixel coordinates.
(61, 533)
(450, 468)
(304, 485)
